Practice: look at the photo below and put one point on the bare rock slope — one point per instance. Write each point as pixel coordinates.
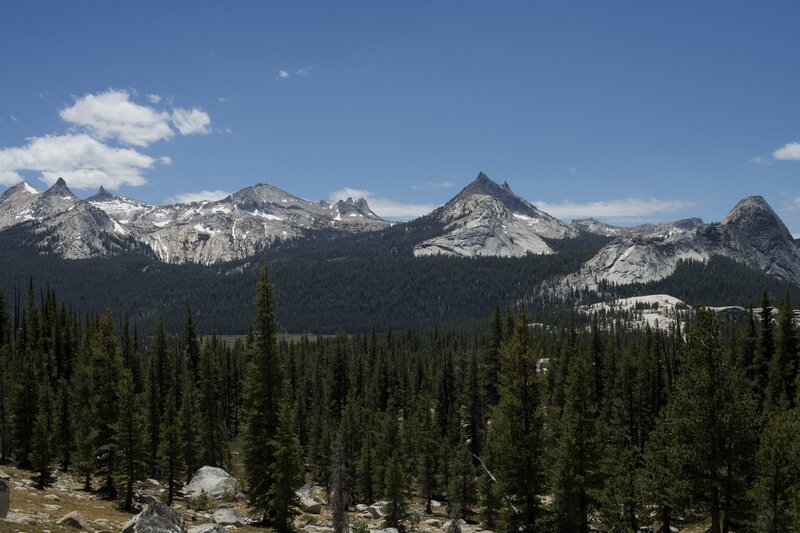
(488, 219)
(751, 234)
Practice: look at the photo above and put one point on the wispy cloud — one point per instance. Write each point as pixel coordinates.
(572, 170)
(761, 160)
(191, 121)
(384, 207)
(619, 209)
(12, 117)
(222, 99)
(198, 196)
(303, 72)
(433, 185)
(154, 98)
(789, 152)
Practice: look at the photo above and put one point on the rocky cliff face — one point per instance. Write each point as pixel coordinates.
(204, 232)
(647, 231)
(488, 219)
(751, 234)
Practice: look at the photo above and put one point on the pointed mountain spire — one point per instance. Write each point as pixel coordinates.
(59, 188)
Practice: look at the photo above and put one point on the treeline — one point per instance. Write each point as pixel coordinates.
(90, 397)
(598, 426)
(720, 281)
(324, 283)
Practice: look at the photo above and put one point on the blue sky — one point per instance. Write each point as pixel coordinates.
(628, 111)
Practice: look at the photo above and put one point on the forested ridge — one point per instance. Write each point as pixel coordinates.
(600, 425)
(325, 283)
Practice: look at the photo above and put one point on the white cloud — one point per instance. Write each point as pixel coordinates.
(623, 208)
(12, 117)
(193, 121)
(154, 98)
(84, 162)
(198, 196)
(789, 152)
(384, 207)
(433, 185)
(303, 71)
(222, 99)
(793, 205)
(761, 160)
(572, 170)
(112, 115)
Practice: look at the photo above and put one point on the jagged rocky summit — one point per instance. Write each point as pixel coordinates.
(751, 234)
(484, 219)
(488, 219)
(202, 232)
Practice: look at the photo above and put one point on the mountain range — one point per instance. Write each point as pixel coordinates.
(235, 227)
(485, 219)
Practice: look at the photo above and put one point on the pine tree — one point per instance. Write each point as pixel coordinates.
(188, 345)
(42, 450)
(212, 424)
(130, 440)
(263, 393)
(619, 498)
(341, 485)
(783, 366)
(396, 496)
(491, 362)
(488, 487)
(152, 400)
(766, 348)
(428, 446)
(710, 421)
(473, 407)
(777, 484)
(517, 424)
(576, 452)
(364, 469)
(64, 438)
(105, 369)
(189, 430)
(462, 493)
(286, 471)
(170, 452)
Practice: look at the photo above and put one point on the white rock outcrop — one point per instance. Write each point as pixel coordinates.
(215, 481)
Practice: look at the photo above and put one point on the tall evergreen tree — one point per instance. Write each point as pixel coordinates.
(263, 393)
(105, 369)
(285, 471)
(766, 348)
(777, 485)
(711, 420)
(212, 423)
(396, 493)
(130, 440)
(462, 493)
(782, 372)
(576, 454)
(170, 450)
(518, 425)
(42, 449)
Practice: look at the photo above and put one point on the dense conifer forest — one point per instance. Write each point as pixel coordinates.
(597, 424)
